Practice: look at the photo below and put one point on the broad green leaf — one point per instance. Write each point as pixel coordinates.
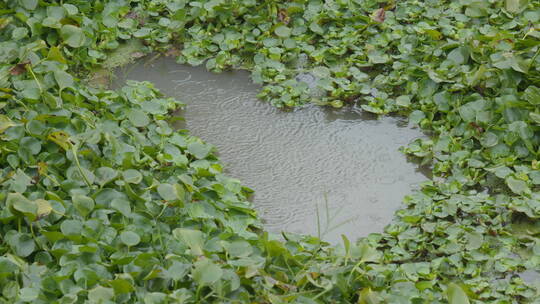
(132, 176)
(170, 192)
(367, 296)
(83, 204)
(138, 118)
(516, 6)
(489, 139)
(105, 175)
(63, 79)
(239, 249)
(416, 117)
(199, 150)
(22, 244)
(56, 54)
(5, 123)
(456, 295)
(194, 239)
(205, 272)
(29, 294)
(516, 185)
(122, 205)
(71, 227)
(29, 4)
(283, 31)
(130, 238)
(178, 270)
(20, 203)
(72, 35)
(100, 295)
(121, 286)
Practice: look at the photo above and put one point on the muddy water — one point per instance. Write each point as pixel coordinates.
(314, 171)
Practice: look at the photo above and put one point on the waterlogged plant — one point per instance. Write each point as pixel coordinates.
(101, 201)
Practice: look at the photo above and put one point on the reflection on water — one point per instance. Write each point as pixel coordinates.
(343, 165)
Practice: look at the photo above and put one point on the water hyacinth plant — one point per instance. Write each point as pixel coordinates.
(102, 201)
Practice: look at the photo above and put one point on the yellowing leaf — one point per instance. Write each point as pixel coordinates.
(61, 138)
(44, 208)
(367, 296)
(5, 123)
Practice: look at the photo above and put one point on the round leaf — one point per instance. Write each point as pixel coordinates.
(130, 238)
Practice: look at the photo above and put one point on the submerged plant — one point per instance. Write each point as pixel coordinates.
(103, 202)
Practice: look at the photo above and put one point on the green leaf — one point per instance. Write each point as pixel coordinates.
(83, 204)
(416, 116)
(517, 186)
(20, 203)
(138, 118)
(23, 244)
(516, 6)
(72, 35)
(29, 294)
(532, 95)
(122, 205)
(132, 176)
(367, 296)
(130, 238)
(56, 55)
(29, 4)
(100, 295)
(104, 175)
(535, 117)
(5, 123)
(489, 139)
(63, 79)
(193, 238)
(456, 295)
(121, 286)
(368, 253)
(71, 9)
(459, 55)
(170, 192)
(178, 270)
(205, 272)
(283, 31)
(239, 249)
(199, 150)
(71, 227)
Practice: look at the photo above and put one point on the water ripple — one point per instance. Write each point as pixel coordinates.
(343, 165)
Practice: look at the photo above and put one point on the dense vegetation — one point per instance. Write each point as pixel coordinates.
(102, 202)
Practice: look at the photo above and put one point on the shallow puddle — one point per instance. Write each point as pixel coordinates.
(314, 171)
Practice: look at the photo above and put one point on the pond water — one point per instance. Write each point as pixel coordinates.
(315, 170)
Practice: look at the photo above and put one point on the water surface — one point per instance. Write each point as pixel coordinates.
(314, 170)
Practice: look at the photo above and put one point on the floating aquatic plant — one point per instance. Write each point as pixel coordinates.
(103, 202)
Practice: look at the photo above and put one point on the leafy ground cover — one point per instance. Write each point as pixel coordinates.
(102, 202)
